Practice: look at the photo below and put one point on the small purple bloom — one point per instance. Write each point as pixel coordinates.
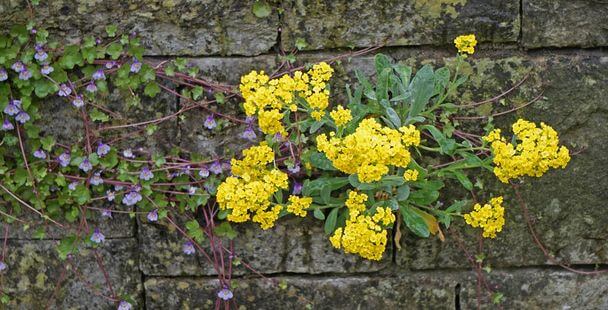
(106, 213)
(40, 154)
(25, 75)
(128, 153)
(153, 215)
(96, 179)
(97, 236)
(12, 108)
(7, 125)
(210, 122)
(192, 190)
(249, 134)
(72, 186)
(135, 66)
(188, 248)
(64, 90)
(78, 102)
(110, 64)
(22, 117)
(204, 172)
(18, 66)
(3, 75)
(64, 159)
(85, 165)
(103, 149)
(295, 169)
(91, 88)
(111, 195)
(185, 170)
(249, 120)
(131, 198)
(33, 31)
(216, 167)
(297, 188)
(41, 55)
(209, 187)
(118, 187)
(146, 174)
(123, 305)
(2, 266)
(99, 75)
(225, 294)
(46, 69)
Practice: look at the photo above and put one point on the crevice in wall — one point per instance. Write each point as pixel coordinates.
(141, 273)
(521, 23)
(276, 48)
(457, 305)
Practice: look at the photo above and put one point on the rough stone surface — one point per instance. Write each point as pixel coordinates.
(331, 24)
(175, 27)
(564, 23)
(34, 270)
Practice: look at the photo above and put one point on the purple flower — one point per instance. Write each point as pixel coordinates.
(85, 165)
(25, 75)
(128, 153)
(46, 69)
(64, 90)
(64, 159)
(225, 294)
(153, 215)
(111, 195)
(118, 187)
(185, 170)
(41, 55)
(277, 137)
(72, 186)
(106, 213)
(96, 179)
(40, 154)
(110, 64)
(188, 248)
(210, 122)
(249, 134)
(2, 266)
(22, 117)
(146, 174)
(249, 120)
(192, 190)
(131, 198)
(99, 75)
(12, 108)
(209, 187)
(297, 188)
(294, 169)
(7, 125)
(135, 66)
(78, 102)
(91, 88)
(18, 66)
(97, 236)
(123, 305)
(3, 75)
(216, 167)
(103, 149)
(204, 172)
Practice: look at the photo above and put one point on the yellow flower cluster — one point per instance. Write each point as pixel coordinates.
(340, 116)
(370, 149)
(410, 175)
(363, 234)
(298, 205)
(537, 150)
(250, 190)
(268, 98)
(466, 43)
(490, 217)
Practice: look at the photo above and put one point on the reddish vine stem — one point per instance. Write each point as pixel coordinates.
(474, 104)
(466, 118)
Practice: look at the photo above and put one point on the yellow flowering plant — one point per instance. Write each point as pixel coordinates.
(355, 166)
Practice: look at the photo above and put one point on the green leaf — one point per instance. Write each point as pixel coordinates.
(463, 179)
(66, 246)
(422, 88)
(381, 63)
(111, 30)
(97, 115)
(387, 180)
(414, 221)
(114, 50)
(301, 43)
(261, 9)
(225, 230)
(330, 222)
(403, 192)
(47, 142)
(393, 117)
(314, 187)
(448, 146)
(197, 91)
(152, 89)
(194, 231)
(318, 214)
(320, 161)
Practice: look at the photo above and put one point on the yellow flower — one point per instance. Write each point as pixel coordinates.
(490, 217)
(410, 175)
(317, 115)
(466, 43)
(356, 201)
(299, 205)
(536, 151)
(341, 116)
(270, 122)
(384, 215)
(362, 236)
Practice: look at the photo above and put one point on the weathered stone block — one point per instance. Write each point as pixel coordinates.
(36, 278)
(174, 27)
(560, 23)
(291, 246)
(332, 24)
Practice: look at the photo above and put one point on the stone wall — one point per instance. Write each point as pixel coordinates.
(559, 43)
